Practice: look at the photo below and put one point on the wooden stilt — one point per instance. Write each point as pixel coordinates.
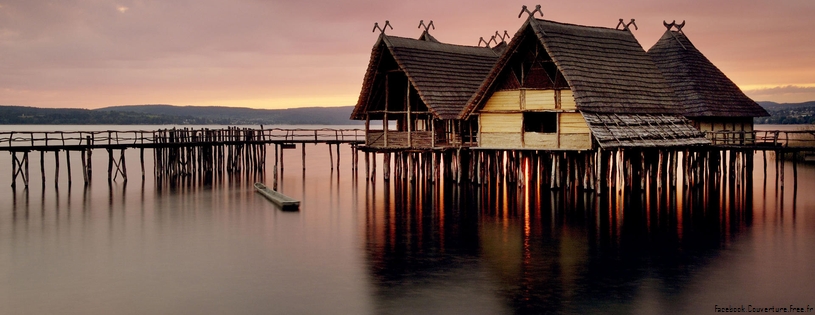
(141, 161)
(781, 167)
(110, 165)
(331, 156)
(373, 169)
(122, 166)
(19, 167)
(56, 168)
(13, 170)
(458, 166)
(27, 177)
(386, 166)
(42, 167)
(367, 165)
(795, 169)
(356, 159)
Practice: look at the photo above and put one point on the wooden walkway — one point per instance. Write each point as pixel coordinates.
(178, 152)
(189, 152)
(779, 140)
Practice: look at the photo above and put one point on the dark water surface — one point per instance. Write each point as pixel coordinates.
(398, 247)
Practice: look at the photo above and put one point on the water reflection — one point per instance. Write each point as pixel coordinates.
(564, 250)
(420, 245)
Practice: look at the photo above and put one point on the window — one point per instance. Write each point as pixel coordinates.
(545, 122)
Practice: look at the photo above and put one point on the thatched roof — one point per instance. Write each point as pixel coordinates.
(643, 130)
(444, 75)
(607, 69)
(700, 86)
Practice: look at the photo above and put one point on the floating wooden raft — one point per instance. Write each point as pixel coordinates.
(285, 203)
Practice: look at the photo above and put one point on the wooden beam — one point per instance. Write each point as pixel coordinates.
(409, 120)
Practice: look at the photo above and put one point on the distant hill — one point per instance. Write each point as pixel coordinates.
(247, 116)
(181, 115)
(788, 113)
(24, 115)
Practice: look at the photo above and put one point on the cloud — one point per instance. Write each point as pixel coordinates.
(92, 52)
(783, 94)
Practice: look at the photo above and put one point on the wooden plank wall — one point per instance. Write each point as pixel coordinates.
(540, 100)
(504, 101)
(501, 121)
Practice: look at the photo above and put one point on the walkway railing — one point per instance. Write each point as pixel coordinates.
(47, 140)
(793, 139)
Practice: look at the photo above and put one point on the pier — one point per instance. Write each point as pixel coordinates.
(178, 152)
(181, 153)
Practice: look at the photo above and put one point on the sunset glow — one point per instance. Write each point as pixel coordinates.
(280, 54)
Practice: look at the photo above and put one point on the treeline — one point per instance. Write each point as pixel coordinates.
(175, 115)
(249, 116)
(788, 113)
(21, 115)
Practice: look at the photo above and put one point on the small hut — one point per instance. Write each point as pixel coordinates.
(421, 85)
(561, 86)
(710, 100)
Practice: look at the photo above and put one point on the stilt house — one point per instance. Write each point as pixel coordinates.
(561, 86)
(422, 85)
(710, 100)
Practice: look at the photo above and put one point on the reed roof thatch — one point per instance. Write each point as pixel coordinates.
(700, 87)
(643, 130)
(607, 69)
(444, 75)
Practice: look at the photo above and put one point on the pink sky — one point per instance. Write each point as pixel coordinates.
(280, 54)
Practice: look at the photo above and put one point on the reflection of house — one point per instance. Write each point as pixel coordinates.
(710, 99)
(565, 87)
(422, 85)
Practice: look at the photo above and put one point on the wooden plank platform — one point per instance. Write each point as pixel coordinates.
(285, 203)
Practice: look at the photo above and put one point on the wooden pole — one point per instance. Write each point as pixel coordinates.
(68, 164)
(13, 170)
(275, 165)
(386, 166)
(408, 121)
(458, 165)
(25, 158)
(42, 167)
(110, 164)
(282, 150)
(330, 156)
(781, 166)
(122, 164)
(795, 169)
(141, 160)
(56, 168)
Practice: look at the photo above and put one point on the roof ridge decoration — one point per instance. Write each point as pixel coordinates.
(383, 28)
(503, 37)
(487, 42)
(531, 13)
(626, 25)
(679, 27)
(494, 39)
(426, 26)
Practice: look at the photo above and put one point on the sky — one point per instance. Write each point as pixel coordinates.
(295, 53)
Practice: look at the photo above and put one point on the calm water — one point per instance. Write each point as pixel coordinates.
(360, 247)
